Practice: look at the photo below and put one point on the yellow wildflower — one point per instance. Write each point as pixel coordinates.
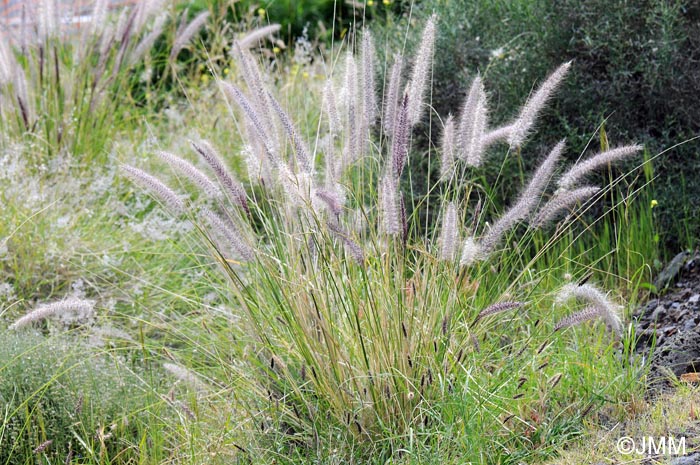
(654, 203)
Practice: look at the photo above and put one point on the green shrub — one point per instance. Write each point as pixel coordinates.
(59, 389)
(634, 68)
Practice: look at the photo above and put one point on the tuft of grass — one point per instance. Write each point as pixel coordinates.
(348, 327)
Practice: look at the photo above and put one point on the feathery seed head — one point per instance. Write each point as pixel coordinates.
(579, 170)
(589, 313)
(334, 122)
(352, 247)
(471, 252)
(421, 72)
(535, 104)
(72, 309)
(184, 36)
(227, 229)
(495, 135)
(231, 186)
(473, 123)
(350, 82)
(527, 201)
(165, 194)
(390, 208)
(303, 157)
(449, 233)
(330, 200)
(400, 139)
(498, 308)
(596, 298)
(368, 86)
(254, 37)
(391, 98)
(561, 200)
(447, 156)
(192, 173)
(263, 138)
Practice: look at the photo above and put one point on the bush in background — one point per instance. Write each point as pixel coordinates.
(635, 69)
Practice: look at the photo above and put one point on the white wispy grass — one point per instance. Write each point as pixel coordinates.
(495, 135)
(525, 204)
(331, 200)
(253, 38)
(99, 16)
(191, 172)
(255, 122)
(473, 124)
(165, 194)
(183, 37)
(232, 187)
(260, 101)
(7, 63)
(581, 169)
(48, 19)
(391, 97)
(471, 252)
(81, 309)
(449, 233)
(447, 150)
(331, 108)
(421, 72)
(353, 248)
(400, 139)
(303, 157)
(526, 120)
(390, 209)
(228, 230)
(368, 85)
(561, 201)
(147, 42)
(590, 294)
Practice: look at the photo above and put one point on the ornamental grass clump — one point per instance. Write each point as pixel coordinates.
(350, 324)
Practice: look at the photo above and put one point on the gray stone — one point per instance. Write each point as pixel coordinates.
(664, 279)
(686, 460)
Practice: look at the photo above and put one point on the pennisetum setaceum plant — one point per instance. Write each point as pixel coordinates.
(351, 326)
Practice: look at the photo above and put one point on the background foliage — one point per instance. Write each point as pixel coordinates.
(636, 69)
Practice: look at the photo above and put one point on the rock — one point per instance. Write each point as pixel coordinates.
(680, 353)
(664, 279)
(659, 313)
(686, 460)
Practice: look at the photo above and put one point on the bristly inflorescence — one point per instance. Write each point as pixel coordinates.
(79, 309)
(599, 305)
